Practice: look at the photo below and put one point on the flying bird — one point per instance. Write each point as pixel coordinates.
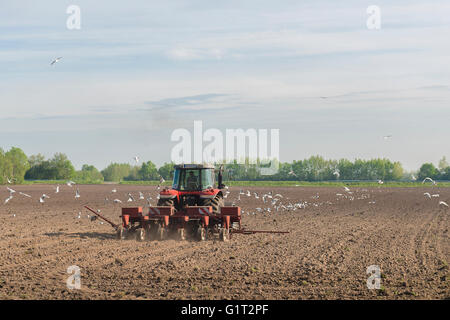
(429, 179)
(7, 199)
(387, 137)
(43, 197)
(442, 203)
(55, 61)
(136, 158)
(70, 183)
(11, 191)
(427, 194)
(24, 194)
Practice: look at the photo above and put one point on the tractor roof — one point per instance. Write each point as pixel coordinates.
(194, 166)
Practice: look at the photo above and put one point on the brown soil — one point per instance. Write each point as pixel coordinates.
(325, 256)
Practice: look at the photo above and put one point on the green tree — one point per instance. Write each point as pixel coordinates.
(18, 164)
(88, 174)
(63, 168)
(166, 171)
(428, 170)
(116, 171)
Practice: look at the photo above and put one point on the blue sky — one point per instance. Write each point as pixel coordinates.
(134, 72)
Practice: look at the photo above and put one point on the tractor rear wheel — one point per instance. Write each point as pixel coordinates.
(215, 203)
(166, 203)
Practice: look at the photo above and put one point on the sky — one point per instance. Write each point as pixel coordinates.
(135, 71)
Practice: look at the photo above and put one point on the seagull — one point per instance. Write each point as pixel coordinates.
(9, 198)
(55, 61)
(44, 196)
(427, 194)
(346, 189)
(114, 190)
(442, 203)
(141, 196)
(77, 194)
(337, 174)
(79, 215)
(136, 158)
(11, 191)
(431, 180)
(117, 201)
(435, 195)
(24, 194)
(387, 137)
(380, 182)
(9, 181)
(70, 183)
(292, 173)
(57, 189)
(130, 197)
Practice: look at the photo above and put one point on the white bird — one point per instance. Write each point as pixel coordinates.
(141, 196)
(57, 189)
(380, 182)
(79, 215)
(117, 201)
(442, 203)
(292, 173)
(435, 195)
(11, 191)
(24, 194)
(337, 174)
(114, 190)
(55, 61)
(161, 180)
(7, 199)
(136, 158)
(429, 179)
(387, 137)
(346, 189)
(427, 194)
(130, 198)
(70, 183)
(77, 194)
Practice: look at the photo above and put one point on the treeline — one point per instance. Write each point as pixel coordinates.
(15, 167)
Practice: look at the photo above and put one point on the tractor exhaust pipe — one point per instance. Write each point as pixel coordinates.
(220, 184)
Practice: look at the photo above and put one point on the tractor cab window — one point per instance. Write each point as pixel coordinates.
(207, 178)
(189, 180)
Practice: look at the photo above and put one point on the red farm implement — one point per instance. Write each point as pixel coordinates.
(162, 222)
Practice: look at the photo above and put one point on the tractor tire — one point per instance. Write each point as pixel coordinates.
(215, 203)
(140, 234)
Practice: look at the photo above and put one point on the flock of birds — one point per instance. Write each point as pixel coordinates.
(270, 201)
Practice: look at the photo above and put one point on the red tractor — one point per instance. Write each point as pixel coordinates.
(192, 208)
(193, 185)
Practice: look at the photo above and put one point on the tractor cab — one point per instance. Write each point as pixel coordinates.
(195, 177)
